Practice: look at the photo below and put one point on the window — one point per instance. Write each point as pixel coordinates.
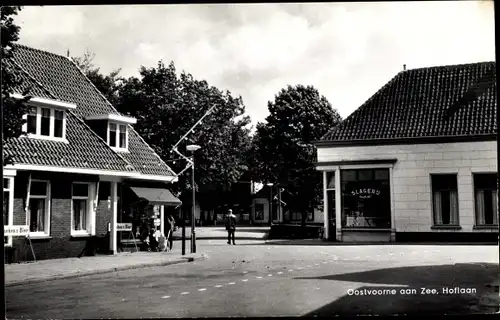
(39, 208)
(58, 123)
(259, 211)
(330, 197)
(8, 199)
(366, 201)
(445, 199)
(82, 211)
(45, 123)
(117, 136)
(486, 199)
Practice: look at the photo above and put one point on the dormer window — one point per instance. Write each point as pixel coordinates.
(45, 123)
(46, 118)
(115, 131)
(117, 135)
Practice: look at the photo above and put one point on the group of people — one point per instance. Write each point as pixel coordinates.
(152, 237)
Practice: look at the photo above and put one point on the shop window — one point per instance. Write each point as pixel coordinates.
(366, 199)
(39, 208)
(486, 199)
(330, 196)
(445, 199)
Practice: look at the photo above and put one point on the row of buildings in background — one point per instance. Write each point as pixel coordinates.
(418, 160)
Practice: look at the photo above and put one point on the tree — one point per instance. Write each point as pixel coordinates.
(12, 109)
(167, 105)
(108, 85)
(282, 152)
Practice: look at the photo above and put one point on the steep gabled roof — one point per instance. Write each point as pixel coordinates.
(415, 103)
(57, 77)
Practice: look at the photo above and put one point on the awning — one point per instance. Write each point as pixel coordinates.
(157, 196)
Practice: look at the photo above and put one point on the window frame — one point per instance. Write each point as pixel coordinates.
(10, 209)
(118, 131)
(475, 190)
(433, 190)
(48, 205)
(91, 216)
(38, 127)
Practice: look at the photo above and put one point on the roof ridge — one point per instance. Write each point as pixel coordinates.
(35, 81)
(101, 139)
(458, 65)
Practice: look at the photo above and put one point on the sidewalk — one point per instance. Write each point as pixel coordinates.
(46, 270)
(219, 232)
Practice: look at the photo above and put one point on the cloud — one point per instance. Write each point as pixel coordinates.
(346, 50)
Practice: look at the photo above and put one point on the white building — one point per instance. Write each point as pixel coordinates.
(417, 161)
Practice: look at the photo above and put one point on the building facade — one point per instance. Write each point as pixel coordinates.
(81, 169)
(417, 161)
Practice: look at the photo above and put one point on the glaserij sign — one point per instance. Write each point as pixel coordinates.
(365, 193)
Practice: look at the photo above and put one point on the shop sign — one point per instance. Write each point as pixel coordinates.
(365, 193)
(157, 222)
(156, 210)
(10, 231)
(124, 226)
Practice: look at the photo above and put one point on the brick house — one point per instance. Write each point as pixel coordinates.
(81, 168)
(417, 161)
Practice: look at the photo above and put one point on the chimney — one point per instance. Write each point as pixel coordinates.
(404, 67)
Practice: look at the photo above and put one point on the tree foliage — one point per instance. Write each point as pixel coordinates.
(13, 109)
(109, 85)
(282, 149)
(167, 104)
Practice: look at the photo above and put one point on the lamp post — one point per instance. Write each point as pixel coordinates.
(270, 185)
(193, 148)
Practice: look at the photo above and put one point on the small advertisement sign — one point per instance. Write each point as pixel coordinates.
(124, 226)
(157, 222)
(10, 231)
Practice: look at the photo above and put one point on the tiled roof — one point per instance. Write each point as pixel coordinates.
(415, 102)
(61, 79)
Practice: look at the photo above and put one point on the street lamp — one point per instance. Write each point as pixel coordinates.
(270, 185)
(193, 148)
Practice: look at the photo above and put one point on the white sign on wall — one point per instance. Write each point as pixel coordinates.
(124, 226)
(9, 231)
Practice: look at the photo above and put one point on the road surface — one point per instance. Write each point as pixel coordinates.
(256, 279)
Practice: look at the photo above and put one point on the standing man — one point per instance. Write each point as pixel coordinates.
(230, 226)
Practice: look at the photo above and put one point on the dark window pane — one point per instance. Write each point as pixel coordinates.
(6, 183)
(365, 175)
(80, 190)
(259, 211)
(5, 208)
(37, 215)
(38, 188)
(58, 123)
(349, 175)
(31, 121)
(444, 182)
(485, 181)
(445, 207)
(79, 215)
(382, 174)
(330, 180)
(45, 124)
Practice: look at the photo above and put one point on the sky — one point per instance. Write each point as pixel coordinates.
(345, 50)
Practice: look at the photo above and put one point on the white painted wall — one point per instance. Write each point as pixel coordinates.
(411, 176)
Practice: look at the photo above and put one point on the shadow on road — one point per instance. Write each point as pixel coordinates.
(467, 275)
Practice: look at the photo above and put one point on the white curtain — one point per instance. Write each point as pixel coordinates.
(40, 212)
(453, 207)
(438, 216)
(480, 214)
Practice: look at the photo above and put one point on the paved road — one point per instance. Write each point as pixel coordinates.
(255, 279)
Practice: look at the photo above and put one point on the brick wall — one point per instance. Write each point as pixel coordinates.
(411, 176)
(60, 244)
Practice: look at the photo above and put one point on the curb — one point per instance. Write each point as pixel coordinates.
(220, 238)
(108, 270)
